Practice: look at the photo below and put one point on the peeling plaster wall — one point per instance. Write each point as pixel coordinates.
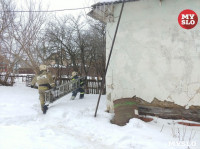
(153, 56)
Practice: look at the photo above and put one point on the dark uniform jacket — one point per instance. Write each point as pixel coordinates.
(76, 78)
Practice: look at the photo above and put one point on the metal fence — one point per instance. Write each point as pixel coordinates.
(11, 79)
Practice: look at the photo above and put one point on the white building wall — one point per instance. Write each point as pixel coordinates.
(153, 56)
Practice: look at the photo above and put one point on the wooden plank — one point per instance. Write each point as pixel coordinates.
(170, 113)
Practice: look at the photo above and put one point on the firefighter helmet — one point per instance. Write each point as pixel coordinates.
(43, 67)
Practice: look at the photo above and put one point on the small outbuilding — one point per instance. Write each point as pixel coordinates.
(154, 58)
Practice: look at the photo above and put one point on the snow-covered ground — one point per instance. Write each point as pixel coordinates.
(72, 125)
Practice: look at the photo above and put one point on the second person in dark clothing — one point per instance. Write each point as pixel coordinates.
(80, 89)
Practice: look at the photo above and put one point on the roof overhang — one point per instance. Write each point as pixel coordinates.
(104, 11)
(111, 2)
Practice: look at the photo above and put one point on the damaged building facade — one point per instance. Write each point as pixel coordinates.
(153, 57)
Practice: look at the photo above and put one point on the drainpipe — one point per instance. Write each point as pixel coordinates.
(113, 42)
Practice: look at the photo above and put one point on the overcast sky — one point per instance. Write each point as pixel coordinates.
(60, 4)
(63, 4)
(73, 3)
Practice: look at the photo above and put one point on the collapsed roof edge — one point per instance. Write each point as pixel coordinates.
(111, 2)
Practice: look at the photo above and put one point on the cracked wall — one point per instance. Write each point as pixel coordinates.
(153, 57)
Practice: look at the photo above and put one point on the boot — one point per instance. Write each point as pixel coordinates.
(44, 109)
(81, 96)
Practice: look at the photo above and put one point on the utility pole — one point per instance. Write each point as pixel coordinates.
(113, 42)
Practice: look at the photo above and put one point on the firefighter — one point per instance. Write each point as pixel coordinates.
(45, 82)
(80, 89)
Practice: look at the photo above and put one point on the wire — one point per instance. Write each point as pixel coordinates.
(48, 10)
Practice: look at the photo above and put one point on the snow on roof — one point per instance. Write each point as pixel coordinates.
(106, 2)
(102, 1)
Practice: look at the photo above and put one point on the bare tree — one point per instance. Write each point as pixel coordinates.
(98, 43)
(7, 18)
(60, 36)
(27, 32)
(80, 41)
